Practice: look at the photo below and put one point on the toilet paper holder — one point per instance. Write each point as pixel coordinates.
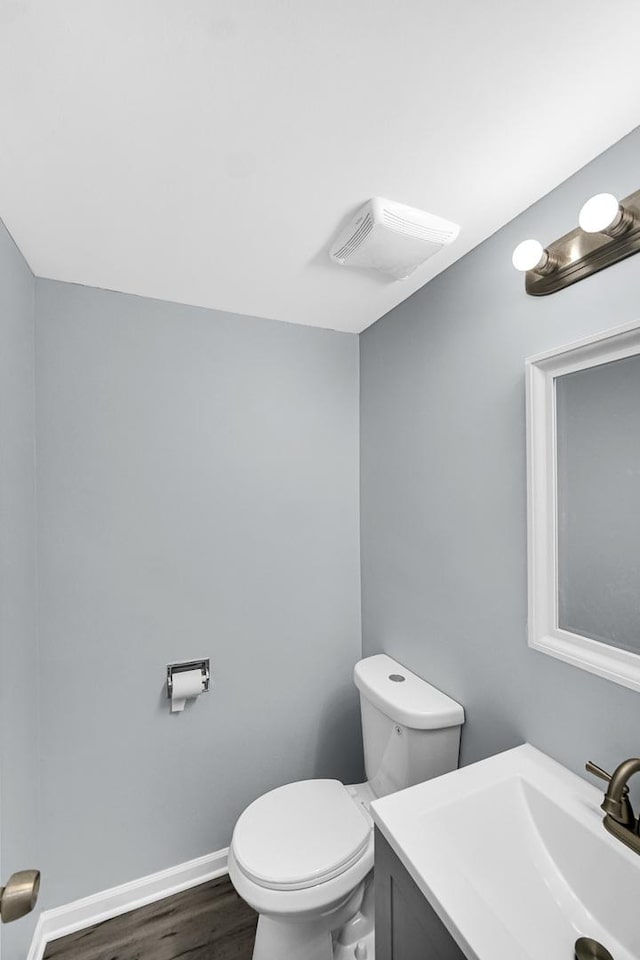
(181, 665)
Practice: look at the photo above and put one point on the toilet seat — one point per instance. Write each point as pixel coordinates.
(301, 835)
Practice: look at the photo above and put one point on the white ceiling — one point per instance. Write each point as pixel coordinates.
(206, 151)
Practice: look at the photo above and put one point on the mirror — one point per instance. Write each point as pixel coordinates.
(598, 502)
(583, 406)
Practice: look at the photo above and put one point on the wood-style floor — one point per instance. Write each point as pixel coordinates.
(208, 922)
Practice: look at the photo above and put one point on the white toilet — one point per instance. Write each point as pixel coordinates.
(302, 855)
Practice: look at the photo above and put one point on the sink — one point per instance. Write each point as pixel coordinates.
(511, 854)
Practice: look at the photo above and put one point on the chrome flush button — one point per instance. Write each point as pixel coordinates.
(396, 677)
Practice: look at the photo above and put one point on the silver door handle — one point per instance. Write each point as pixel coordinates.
(19, 896)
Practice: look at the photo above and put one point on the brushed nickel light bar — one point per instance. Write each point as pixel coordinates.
(608, 231)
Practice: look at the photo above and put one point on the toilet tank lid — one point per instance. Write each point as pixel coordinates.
(410, 701)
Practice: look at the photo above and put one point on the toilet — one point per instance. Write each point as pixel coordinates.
(302, 854)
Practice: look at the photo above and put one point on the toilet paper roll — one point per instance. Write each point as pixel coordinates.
(186, 684)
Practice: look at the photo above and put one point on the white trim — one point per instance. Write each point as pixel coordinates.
(621, 666)
(129, 896)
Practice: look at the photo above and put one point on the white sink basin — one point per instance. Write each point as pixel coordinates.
(512, 855)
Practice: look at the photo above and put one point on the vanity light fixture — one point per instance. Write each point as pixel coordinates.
(608, 231)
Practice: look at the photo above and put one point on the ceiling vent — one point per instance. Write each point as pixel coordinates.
(392, 238)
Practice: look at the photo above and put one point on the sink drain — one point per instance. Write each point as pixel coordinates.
(588, 949)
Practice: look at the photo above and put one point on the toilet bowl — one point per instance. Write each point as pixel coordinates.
(302, 854)
(299, 856)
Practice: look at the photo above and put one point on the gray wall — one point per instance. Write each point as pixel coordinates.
(198, 495)
(598, 464)
(18, 640)
(443, 499)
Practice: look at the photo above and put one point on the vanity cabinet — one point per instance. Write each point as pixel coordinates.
(407, 927)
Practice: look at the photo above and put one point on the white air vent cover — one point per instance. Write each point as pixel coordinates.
(392, 237)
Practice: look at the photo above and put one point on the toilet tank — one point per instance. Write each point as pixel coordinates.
(410, 730)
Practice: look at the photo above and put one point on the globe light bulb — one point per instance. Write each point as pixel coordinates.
(600, 214)
(528, 255)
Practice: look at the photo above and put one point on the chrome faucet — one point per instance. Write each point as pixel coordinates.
(619, 818)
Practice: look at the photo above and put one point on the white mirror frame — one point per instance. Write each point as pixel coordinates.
(542, 371)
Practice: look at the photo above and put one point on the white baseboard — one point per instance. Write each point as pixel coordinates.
(129, 896)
